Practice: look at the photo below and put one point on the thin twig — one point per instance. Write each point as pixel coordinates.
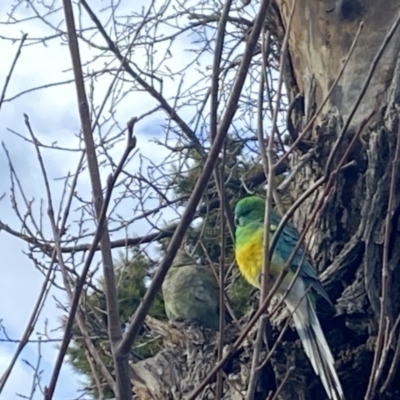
(95, 376)
(282, 384)
(227, 300)
(14, 63)
(396, 356)
(216, 70)
(251, 389)
(221, 279)
(254, 371)
(268, 164)
(219, 177)
(36, 373)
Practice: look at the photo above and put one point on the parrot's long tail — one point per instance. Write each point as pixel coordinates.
(316, 348)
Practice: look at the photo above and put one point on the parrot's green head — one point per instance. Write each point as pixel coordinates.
(248, 210)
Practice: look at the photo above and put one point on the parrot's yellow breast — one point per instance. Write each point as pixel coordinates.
(249, 256)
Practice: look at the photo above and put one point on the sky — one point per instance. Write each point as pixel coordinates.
(53, 115)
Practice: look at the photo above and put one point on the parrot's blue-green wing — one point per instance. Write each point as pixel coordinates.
(286, 243)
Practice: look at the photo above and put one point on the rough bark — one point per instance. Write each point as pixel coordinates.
(189, 354)
(347, 242)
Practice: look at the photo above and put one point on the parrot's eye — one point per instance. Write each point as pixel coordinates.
(245, 212)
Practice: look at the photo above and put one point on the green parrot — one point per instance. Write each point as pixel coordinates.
(249, 219)
(191, 292)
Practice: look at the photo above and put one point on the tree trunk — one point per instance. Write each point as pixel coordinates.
(347, 242)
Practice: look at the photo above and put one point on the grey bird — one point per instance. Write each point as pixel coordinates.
(191, 292)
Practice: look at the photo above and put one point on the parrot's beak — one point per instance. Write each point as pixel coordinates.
(236, 220)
